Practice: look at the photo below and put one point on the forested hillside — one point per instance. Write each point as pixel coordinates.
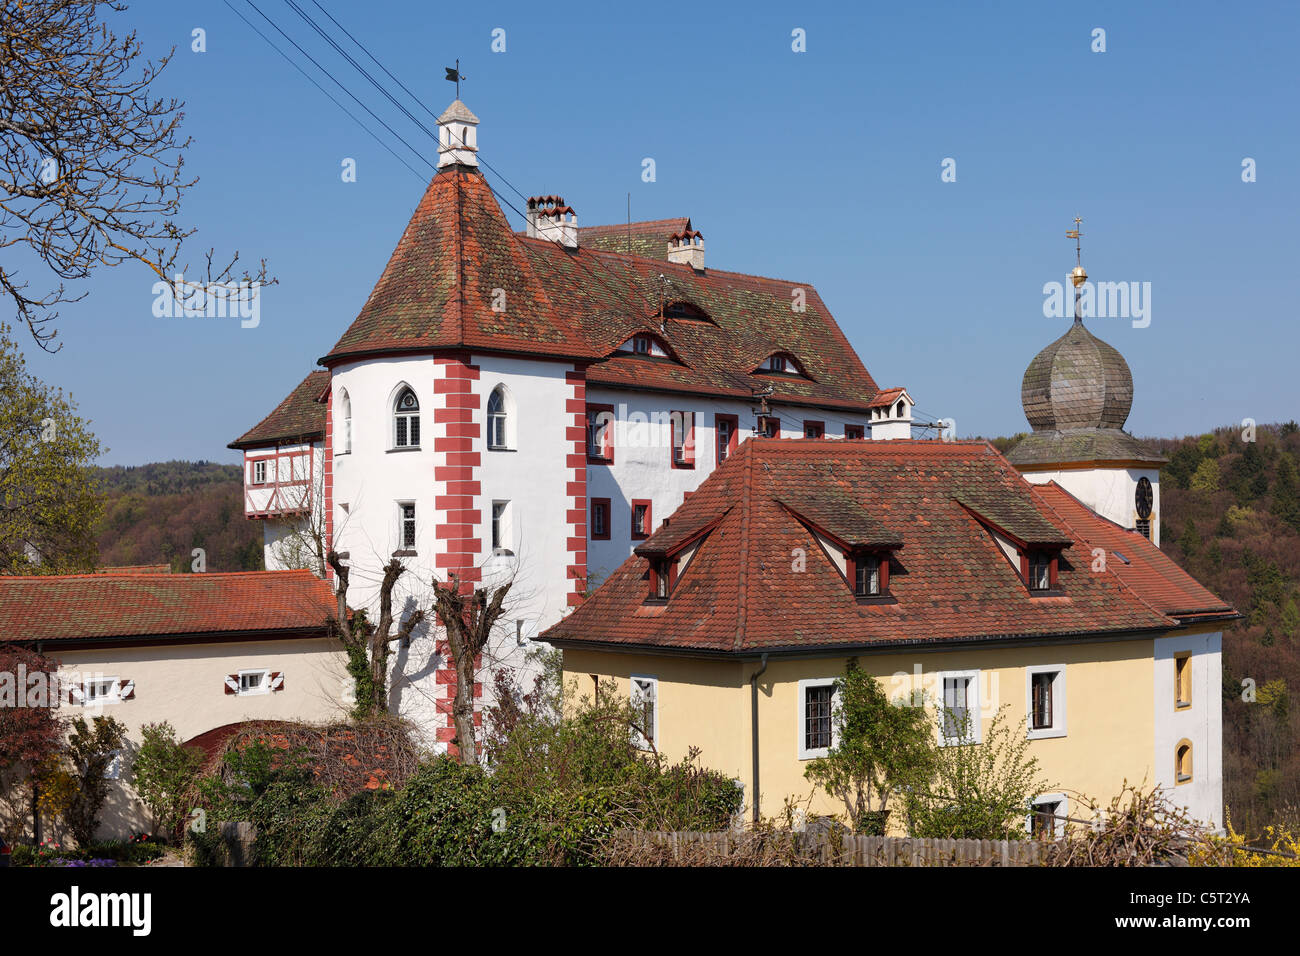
(158, 513)
(1230, 515)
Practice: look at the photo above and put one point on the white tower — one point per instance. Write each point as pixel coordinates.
(457, 136)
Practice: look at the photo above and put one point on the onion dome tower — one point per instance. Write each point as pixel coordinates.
(1077, 393)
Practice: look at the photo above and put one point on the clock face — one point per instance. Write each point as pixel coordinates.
(1144, 497)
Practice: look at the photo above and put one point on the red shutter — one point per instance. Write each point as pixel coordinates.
(232, 683)
(277, 681)
(126, 689)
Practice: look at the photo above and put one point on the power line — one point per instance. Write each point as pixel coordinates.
(252, 26)
(629, 287)
(374, 115)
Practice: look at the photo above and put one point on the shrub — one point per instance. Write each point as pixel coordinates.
(165, 773)
(90, 749)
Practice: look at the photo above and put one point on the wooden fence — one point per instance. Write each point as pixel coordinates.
(819, 849)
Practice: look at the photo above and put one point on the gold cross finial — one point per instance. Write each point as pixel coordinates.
(1077, 276)
(1075, 234)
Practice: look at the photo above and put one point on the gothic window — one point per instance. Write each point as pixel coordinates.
(406, 420)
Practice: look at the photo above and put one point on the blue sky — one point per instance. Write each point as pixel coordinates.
(822, 167)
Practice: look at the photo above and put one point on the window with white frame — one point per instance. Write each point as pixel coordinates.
(100, 690)
(961, 707)
(645, 705)
(1047, 813)
(501, 536)
(406, 524)
(254, 682)
(1045, 700)
(816, 727)
(259, 472)
(498, 420)
(406, 420)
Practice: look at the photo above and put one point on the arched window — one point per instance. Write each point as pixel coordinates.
(901, 410)
(406, 420)
(1183, 761)
(345, 413)
(498, 419)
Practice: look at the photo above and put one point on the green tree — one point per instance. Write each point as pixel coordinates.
(165, 774)
(1249, 475)
(880, 748)
(91, 748)
(1207, 476)
(1286, 492)
(1190, 542)
(979, 791)
(49, 499)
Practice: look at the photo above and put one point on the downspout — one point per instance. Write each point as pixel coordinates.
(753, 724)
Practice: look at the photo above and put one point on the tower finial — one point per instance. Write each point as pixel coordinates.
(455, 76)
(1077, 275)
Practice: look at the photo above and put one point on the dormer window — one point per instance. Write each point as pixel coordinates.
(662, 574)
(684, 310)
(646, 345)
(781, 363)
(868, 573)
(1039, 569)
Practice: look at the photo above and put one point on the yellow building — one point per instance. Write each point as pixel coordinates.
(935, 566)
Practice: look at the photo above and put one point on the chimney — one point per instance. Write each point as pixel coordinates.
(687, 248)
(457, 136)
(549, 218)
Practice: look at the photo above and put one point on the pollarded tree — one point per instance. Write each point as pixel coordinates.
(91, 158)
(367, 645)
(469, 615)
(49, 499)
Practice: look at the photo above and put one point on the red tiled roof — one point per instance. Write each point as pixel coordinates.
(744, 591)
(300, 417)
(647, 238)
(1142, 567)
(89, 606)
(137, 569)
(885, 397)
(458, 252)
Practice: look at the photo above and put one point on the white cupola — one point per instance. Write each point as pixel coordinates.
(890, 414)
(457, 136)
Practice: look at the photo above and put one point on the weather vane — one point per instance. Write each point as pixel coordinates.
(455, 76)
(1077, 276)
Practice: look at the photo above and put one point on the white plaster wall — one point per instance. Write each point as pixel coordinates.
(371, 479)
(642, 465)
(1107, 491)
(184, 684)
(1201, 723)
(533, 475)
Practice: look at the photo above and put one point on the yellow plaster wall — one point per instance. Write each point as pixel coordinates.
(1109, 715)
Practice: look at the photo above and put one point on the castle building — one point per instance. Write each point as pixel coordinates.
(530, 405)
